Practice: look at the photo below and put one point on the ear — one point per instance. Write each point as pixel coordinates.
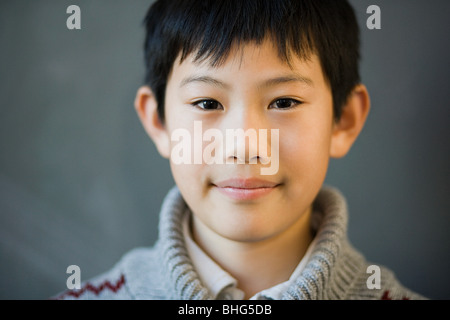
(347, 129)
(147, 109)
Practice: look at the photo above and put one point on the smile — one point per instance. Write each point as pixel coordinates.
(245, 189)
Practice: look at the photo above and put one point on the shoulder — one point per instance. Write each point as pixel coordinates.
(391, 288)
(378, 282)
(135, 276)
(361, 279)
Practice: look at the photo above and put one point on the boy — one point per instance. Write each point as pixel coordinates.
(240, 223)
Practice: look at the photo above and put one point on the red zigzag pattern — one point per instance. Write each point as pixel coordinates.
(97, 290)
(386, 296)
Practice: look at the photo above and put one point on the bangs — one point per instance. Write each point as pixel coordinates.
(221, 25)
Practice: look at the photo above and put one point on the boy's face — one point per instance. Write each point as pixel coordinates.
(253, 89)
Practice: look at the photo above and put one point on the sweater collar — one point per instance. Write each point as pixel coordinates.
(328, 273)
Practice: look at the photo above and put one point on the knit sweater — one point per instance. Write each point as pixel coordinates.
(334, 270)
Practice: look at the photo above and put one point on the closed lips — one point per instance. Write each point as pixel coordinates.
(246, 184)
(245, 189)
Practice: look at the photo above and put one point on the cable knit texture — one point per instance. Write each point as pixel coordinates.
(335, 270)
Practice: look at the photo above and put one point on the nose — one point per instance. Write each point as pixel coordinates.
(246, 137)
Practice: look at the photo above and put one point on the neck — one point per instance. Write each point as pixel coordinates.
(257, 265)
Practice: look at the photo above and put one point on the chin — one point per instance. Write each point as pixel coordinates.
(246, 231)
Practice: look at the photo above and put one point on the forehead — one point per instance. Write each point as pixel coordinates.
(250, 61)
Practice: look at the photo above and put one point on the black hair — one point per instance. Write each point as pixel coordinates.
(209, 28)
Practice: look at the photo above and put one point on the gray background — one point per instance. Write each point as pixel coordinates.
(81, 183)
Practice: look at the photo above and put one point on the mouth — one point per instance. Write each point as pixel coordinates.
(245, 189)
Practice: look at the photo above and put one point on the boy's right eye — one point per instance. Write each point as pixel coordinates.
(208, 105)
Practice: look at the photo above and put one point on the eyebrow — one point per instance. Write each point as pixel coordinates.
(267, 83)
(204, 79)
(287, 79)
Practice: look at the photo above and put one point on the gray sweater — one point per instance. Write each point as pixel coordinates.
(335, 270)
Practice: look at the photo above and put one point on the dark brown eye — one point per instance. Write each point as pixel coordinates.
(208, 105)
(284, 103)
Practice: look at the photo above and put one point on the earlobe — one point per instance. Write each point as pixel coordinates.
(349, 126)
(147, 109)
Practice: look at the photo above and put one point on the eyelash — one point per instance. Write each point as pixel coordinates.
(197, 103)
(294, 103)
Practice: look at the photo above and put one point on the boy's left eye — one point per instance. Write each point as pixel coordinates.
(284, 103)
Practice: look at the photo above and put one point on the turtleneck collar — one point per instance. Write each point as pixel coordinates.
(328, 274)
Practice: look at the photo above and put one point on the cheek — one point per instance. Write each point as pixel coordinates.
(189, 180)
(304, 150)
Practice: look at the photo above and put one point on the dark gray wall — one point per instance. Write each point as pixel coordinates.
(80, 182)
